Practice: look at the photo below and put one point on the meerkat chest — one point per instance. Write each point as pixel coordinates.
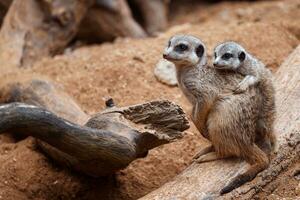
(187, 86)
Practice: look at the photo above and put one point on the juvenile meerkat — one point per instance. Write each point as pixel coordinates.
(232, 56)
(229, 123)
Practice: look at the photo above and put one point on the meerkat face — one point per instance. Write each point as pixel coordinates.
(229, 55)
(185, 50)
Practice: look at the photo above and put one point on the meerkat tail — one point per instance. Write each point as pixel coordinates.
(239, 181)
(273, 141)
(258, 162)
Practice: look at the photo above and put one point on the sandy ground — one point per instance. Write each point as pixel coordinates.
(124, 70)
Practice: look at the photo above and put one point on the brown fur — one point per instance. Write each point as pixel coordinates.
(267, 115)
(228, 121)
(255, 75)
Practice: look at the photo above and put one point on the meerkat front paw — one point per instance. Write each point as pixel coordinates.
(241, 88)
(224, 96)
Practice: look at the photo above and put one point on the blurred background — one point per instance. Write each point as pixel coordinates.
(53, 25)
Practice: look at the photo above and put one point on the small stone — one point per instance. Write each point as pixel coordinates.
(165, 72)
(138, 58)
(291, 143)
(225, 15)
(296, 174)
(68, 51)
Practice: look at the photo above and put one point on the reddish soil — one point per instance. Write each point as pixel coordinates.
(124, 70)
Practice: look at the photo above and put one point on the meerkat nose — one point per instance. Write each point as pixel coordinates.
(165, 56)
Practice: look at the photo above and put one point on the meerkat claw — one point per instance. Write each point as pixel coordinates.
(203, 151)
(211, 156)
(240, 89)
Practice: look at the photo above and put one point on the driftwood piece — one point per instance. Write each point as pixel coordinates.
(204, 181)
(33, 29)
(43, 93)
(109, 19)
(4, 5)
(109, 141)
(154, 14)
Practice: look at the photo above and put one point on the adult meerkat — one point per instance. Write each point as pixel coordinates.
(229, 122)
(232, 56)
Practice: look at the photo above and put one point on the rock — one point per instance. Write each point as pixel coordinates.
(165, 72)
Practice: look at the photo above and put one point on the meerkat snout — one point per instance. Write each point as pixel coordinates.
(166, 56)
(215, 62)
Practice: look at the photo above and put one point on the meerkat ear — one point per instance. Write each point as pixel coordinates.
(242, 56)
(200, 50)
(169, 42)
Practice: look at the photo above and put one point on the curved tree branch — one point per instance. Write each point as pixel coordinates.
(109, 141)
(84, 143)
(42, 93)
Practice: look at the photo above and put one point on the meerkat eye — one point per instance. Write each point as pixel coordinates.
(181, 47)
(227, 56)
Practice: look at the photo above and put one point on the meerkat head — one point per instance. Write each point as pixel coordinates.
(229, 55)
(185, 50)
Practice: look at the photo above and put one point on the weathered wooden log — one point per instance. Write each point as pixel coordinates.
(109, 19)
(4, 5)
(109, 141)
(154, 14)
(33, 29)
(205, 180)
(42, 93)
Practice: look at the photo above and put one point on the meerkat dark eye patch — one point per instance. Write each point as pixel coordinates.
(200, 50)
(242, 56)
(227, 56)
(169, 43)
(181, 47)
(215, 55)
